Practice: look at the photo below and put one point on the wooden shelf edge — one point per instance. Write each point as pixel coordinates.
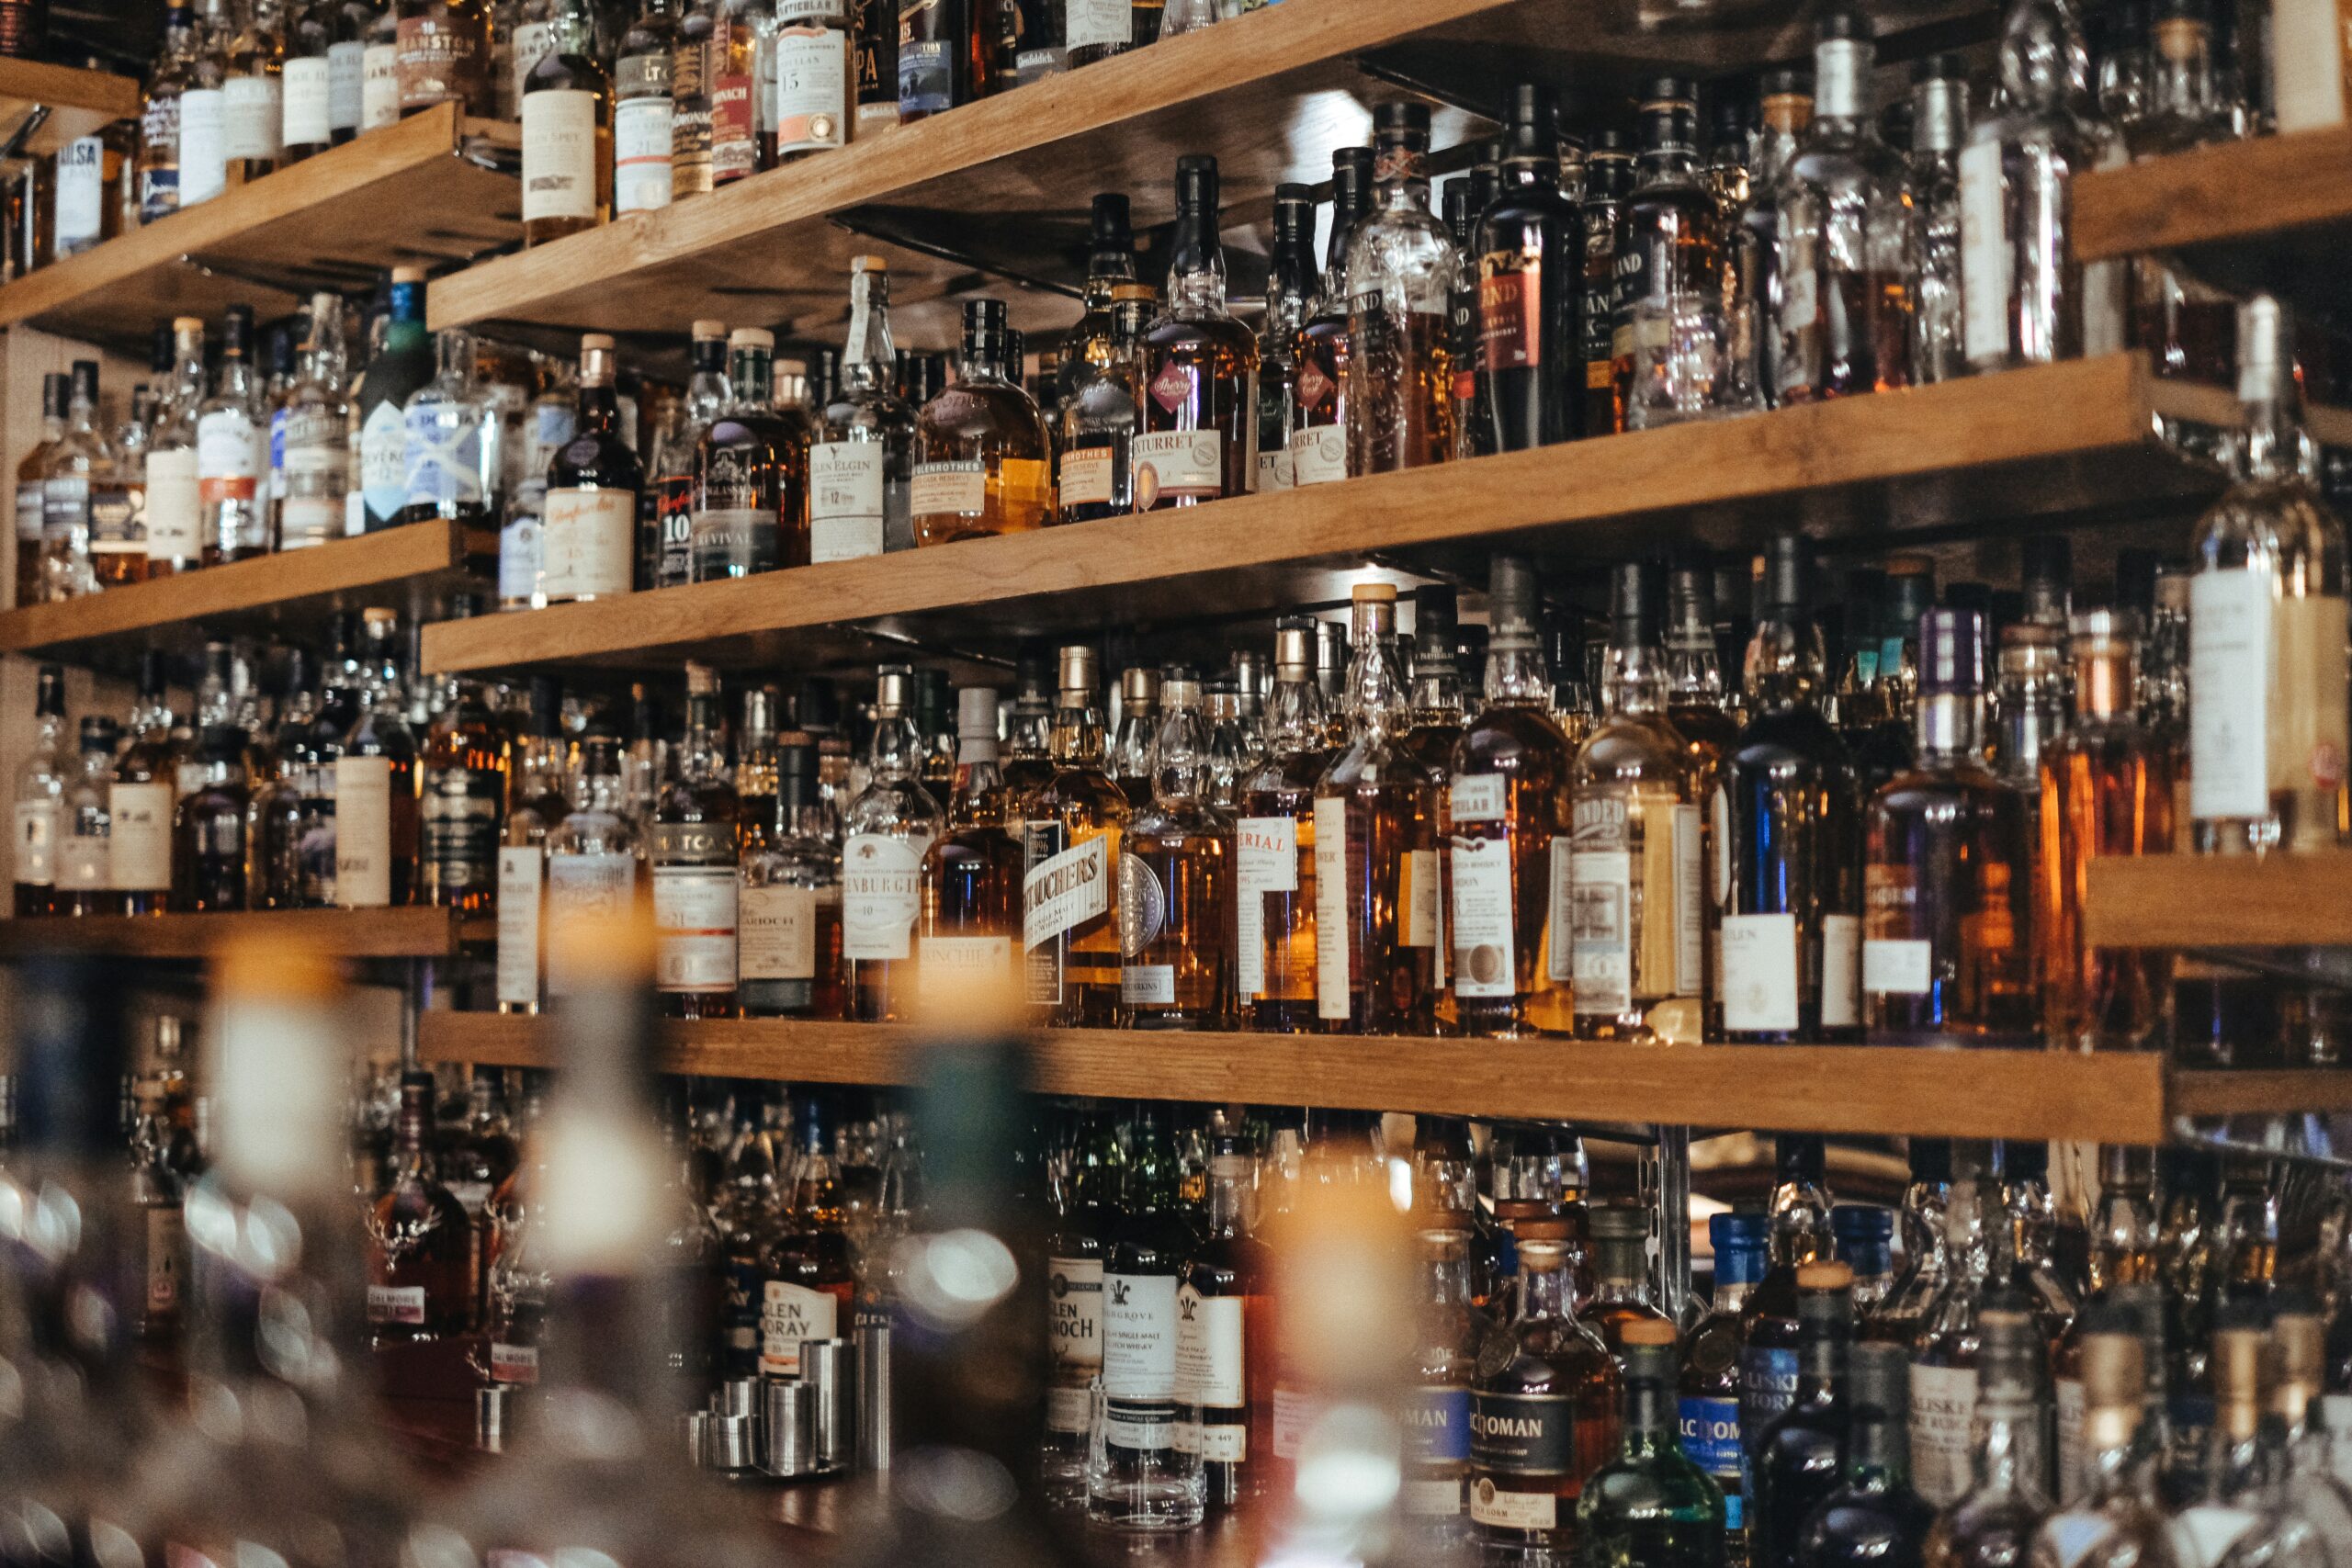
(247, 587)
(2190, 900)
(79, 102)
(340, 172)
(2058, 412)
(2282, 1092)
(2229, 192)
(1829, 1089)
(343, 933)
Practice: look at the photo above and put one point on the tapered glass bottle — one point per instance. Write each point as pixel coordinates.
(1177, 884)
(1671, 341)
(972, 873)
(694, 843)
(1075, 837)
(1274, 862)
(1798, 1458)
(751, 473)
(862, 459)
(1402, 272)
(886, 829)
(1318, 434)
(789, 901)
(567, 130)
(1198, 438)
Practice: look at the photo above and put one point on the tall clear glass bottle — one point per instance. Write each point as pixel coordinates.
(1402, 272)
(886, 831)
(1291, 287)
(314, 507)
(1176, 878)
(231, 453)
(1274, 862)
(566, 114)
(1074, 841)
(1318, 435)
(450, 452)
(1198, 438)
(85, 506)
(595, 862)
(972, 873)
(751, 473)
(253, 91)
(790, 914)
(375, 783)
(158, 159)
(1139, 1477)
(1939, 128)
(863, 458)
(1672, 341)
(39, 797)
(1101, 412)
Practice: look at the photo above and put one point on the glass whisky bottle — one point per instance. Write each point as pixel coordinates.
(1450, 1326)
(567, 115)
(229, 451)
(1709, 1384)
(1379, 906)
(1138, 1476)
(1110, 263)
(451, 448)
(595, 859)
(2117, 1522)
(84, 861)
(1076, 1246)
(751, 473)
(1095, 428)
(1841, 320)
(421, 1253)
(1274, 892)
(537, 801)
(1130, 761)
(983, 455)
(1225, 1333)
(1198, 439)
(1318, 431)
(462, 786)
(788, 915)
(863, 458)
(1509, 811)
(692, 850)
(1798, 1457)
(1948, 959)
(667, 558)
(1402, 272)
(1176, 880)
(1651, 1504)
(1075, 841)
(376, 815)
(1545, 1411)
(39, 798)
(1637, 914)
(1291, 287)
(1993, 1523)
(1670, 341)
(886, 831)
(1939, 128)
(1530, 245)
(1873, 1518)
(1621, 1295)
(972, 873)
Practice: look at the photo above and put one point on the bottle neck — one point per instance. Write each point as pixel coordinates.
(897, 747)
(1294, 714)
(2271, 442)
(1375, 695)
(869, 359)
(1545, 1294)
(1196, 267)
(750, 372)
(1637, 681)
(1078, 731)
(1948, 726)
(1516, 675)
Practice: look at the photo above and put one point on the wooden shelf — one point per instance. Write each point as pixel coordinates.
(2271, 212)
(1827, 1088)
(410, 568)
(79, 102)
(421, 191)
(345, 933)
(1993, 449)
(2189, 900)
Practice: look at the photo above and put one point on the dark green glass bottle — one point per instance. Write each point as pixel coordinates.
(1874, 1519)
(1650, 1506)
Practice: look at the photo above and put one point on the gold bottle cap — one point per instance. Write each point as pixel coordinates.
(751, 337)
(2238, 1374)
(408, 275)
(1180, 693)
(708, 329)
(1139, 687)
(1445, 1243)
(1080, 672)
(702, 681)
(1542, 1254)
(188, 324)
(1121, 292)
(1374, 594)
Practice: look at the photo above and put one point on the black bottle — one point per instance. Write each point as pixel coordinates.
(1799, 1457)
(1608, 178)
(1530, 253)
(1874, 1519)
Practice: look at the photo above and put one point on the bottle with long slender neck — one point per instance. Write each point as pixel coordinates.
(1947, 1350)
(886, 829)
(1291, 287)
(1199, 436)
(863, 460)
(1140, 1476)
(1873, 1517)
(1274, 862)
(56, 394)
(229, 455)
(790, 914)
(1378, 903)
(1076, 832)
(314, 506)
(2117, 1512)
(1319, 381)
(1509, 809)
(1710, 1382)
(588, 536)
(1402, 273)
(1224, 1345)
(158, 160)
(692, 849)
(1608, 177)
(375, 785)
(1671, 343)
(40, 797)
(1530, 246)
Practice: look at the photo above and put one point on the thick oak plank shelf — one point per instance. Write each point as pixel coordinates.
(1827, 1088)
(79, 102)
(344, 934)
(1993, 449)
(407, 569)
(2268, 212)
(2189, 900)
(420, 191)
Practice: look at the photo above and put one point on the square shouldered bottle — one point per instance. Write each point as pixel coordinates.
(863, 456)
(1652, 1503)
(1708, 1389)
(693, 851)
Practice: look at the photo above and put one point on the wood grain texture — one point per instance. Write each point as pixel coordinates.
(407, 568)
(2023, 443)
(2318, 1090)
(402, 194)
(344, 934)
(1829, 1089)
(2279, 900)
(79, 102)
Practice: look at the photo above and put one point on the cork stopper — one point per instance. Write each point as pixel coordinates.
(1548, 1228)
(751, 337)
(591, 342)
(708, 329)
(1374, 594)
(2238, 1355)
(1825, 1276)
(1647, 1331)
(408, 275)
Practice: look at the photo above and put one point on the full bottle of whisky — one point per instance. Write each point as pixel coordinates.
(1291, 287)
(254, 91)
(1947, 1347)
(1076, 832)
(886, 829)
(1798, 1457)
(1110, 262)
(1319, 386)
(567, 130)
(462, 786)
(1274, 862)
(210, 835)
(1509, 802)
(1608, 177)
(421, 1256)
(1224, 1339)
(1378, 902)
(229, 451)
(694, 848)
(666, 511)
(1176, 880)
(375, 783)
(863, 458)
(1529, 244)
(983, 456)
(1076, 1246)
(1199, 435)
(972, 873)
(84, 861)
(40, 797)
(1873, 1517)
(537, 801)
(1139, 1475)
(642, 109)
(588, 539)
(1672, 341)
(141, 800)
(451, 455)
(595, 862)
(1996, 1519)
(1095, 428)
(2118, 1508)
(1437, 1419)
(313, 504)
(1638, 899)
(1791, 932)
(751, 473)
(788, 912)
(1948, 956)
(445, 55)
(1403, 270)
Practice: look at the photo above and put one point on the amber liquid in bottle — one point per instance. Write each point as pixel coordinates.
(1274, 892)
(1198, 440)
(421, 1253)
(983, 460)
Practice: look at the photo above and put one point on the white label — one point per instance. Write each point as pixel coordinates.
(309, 101)
(2073, 1481)
(559, 155)
(1601, 895)
(1265, 860)
(812, 88)
(1984, 255)
(1490, 1505)
(396, 1304)
(1484, 958)
(790, 1315)
(2307, 64)
(83, 862)
(1209, 1350)
(693, 928)
(949, 490)
(1422, 898)
(1227, 1443)
(517, 977)
(948, 967)
(2229, 661)
(1097, 23)
(1898, 968)
(1560, 961)
(1690, 900)
(1074, 1318)
(1841, 971)
(346, 90)
(881, 894)
(312, 511)
(1139, 1335)
(1178, 463)
(641, 155)
(1760, 971)
(1332, 998)
(379, 86)
(1086, 477)
(37, 824)
(1148, 984)
(2203, 1533)
(383, 459)
(1478, 797)
(776, 934)
(229, 446)
(1063, 892)
(1943, 1405)
(1318, 455)
(1800, 294)
(363, 832)
(1274, 471)
(588, 538)
(583, 886)
(204, 144)
(256, 117)
(81, 192)
(141, 833)
(514, 1363)
(844, 499)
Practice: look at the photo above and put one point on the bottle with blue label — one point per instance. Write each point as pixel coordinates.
(1437, 1409)
(450, 441)
(1710, 1387)
(1768, 1360)
(400, 362)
